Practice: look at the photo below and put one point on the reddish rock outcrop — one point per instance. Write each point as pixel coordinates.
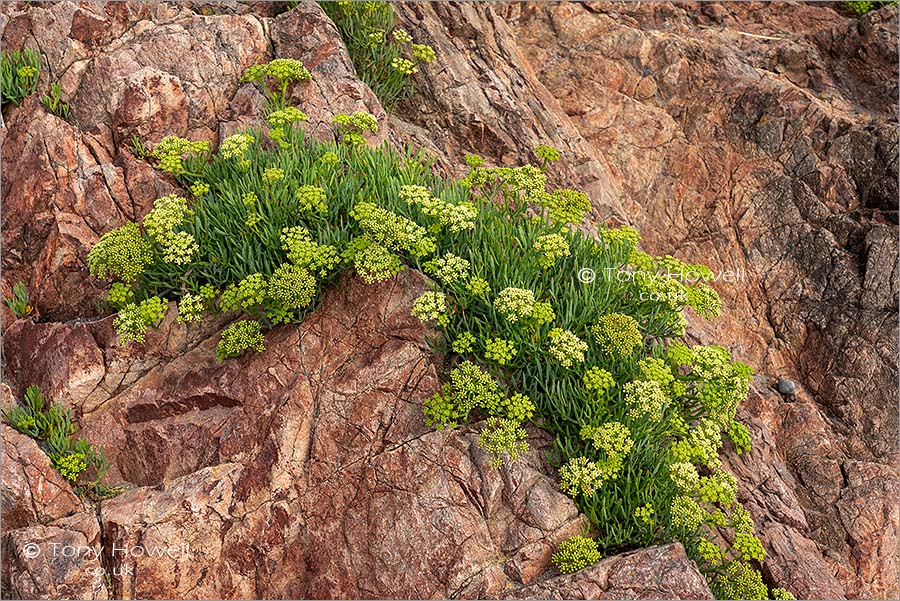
(760, 139)
(32, 491)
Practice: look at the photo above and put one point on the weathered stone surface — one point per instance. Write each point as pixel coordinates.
(32, 491)
(316, 456)
(662, 572)
(758, 138)
(60, 560)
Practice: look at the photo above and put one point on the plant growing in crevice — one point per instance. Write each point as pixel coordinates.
(18, 303)
(637, 415)
(385, 56)
(19, 72)
(51, 425)
(53, 102)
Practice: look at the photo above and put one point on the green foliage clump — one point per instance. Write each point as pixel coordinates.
(19, 72)
(863, 7)
(51, 425)
(18, 302)
(575, 554)
(53, 101)
(385, 57)
(638, 416)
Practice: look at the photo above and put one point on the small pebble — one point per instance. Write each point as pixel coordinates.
(786, 386)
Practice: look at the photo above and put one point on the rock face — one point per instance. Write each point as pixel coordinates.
(759, 139)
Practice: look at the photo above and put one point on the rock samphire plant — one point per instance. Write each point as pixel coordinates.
(19, 72)
(51, 425)
(385, 56)
(639, 417)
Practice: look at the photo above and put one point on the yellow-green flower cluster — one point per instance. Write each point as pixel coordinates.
(686, 513)
(403, 66)
(312, 200)
(119, 295)
(171, 150)
(499, 350)
(351, 128)
(291, 286)
(401, 36)
(234, 147)
(685, 477)
(423, 53)
(528, 181)
(614, 440)
(581, 476)
(430, 305)
(503, 437)
(598, 380)
(701, 445)
(781, 594)
(286, 116)
(372, 261)
(26, 71)
(704, 301)
(134, 319)
(542, 313)
(469, 387)
(576, 553)
(655, 369)
(393, 231)
(448, 269)
(305, 252)
(710, 552)
(248, 294)
(168, 213)
(567, 348)
(518, 406)
(459, 217)
(624, 236)
(566, 206)
(478, 286)
(122, 253)
(284, 70)
(740, 581)
(515, 303)
(645, 513)
(198, 189)
(238, 337)
(645, 398)
(70, 466)
(748, 547)
(464, 343)
(546, 153)
(455, 217)
(191, 307)
(617, 334)
(272, 175)
(552, 247)
(719, 488)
